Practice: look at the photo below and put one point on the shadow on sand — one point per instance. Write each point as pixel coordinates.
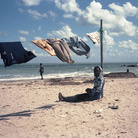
(26, 113)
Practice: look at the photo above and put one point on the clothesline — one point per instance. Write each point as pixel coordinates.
(55, 47)
(95, 35)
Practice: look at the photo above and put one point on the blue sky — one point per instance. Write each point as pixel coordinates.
(26, 20)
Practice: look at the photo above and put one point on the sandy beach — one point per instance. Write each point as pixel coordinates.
(30, 109)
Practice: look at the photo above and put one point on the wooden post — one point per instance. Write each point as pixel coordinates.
(101, 41)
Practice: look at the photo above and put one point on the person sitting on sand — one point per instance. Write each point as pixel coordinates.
(91, 94)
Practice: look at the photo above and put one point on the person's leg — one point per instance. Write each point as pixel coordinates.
(67, 99)
(76, 98)
(83, 97)
(41, 74)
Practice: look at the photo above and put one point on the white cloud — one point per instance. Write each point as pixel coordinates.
(62, 24)
(37, 38)
(108, 39)
(122, 27)
(23, 32)
(22, 39)
(64, 32)
(68, 6)
(68, 16)
(52, 14)
(115, 21)
(84, 39)
(41, 54)
(128, 44)
(125, 10)
(36, 15)
(31, 2)
(117, 25)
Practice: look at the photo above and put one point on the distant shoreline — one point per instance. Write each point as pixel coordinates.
(83, 79)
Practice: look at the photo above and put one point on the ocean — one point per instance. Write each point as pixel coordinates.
(29, 71)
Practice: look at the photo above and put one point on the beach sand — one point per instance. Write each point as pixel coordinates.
(30, 109)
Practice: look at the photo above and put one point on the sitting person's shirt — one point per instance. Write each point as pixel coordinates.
(98, 85)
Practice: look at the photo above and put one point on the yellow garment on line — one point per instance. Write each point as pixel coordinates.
(45, 46)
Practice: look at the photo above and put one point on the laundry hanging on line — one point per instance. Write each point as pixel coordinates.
(45, 46)
(61, 49)
(59, 46)
(14, 53)
(55, 47)
(94, 37)
(78, 46)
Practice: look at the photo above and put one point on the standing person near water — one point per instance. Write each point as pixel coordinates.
(41, 70)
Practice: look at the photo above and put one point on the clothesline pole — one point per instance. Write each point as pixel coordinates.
(101, 42)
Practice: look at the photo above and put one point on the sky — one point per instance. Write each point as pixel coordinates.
(27, 20)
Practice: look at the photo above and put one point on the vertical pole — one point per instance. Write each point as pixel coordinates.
(101, 40)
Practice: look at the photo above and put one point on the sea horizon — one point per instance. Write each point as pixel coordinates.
(29, 71)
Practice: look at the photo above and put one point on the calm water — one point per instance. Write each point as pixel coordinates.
(59, 70)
